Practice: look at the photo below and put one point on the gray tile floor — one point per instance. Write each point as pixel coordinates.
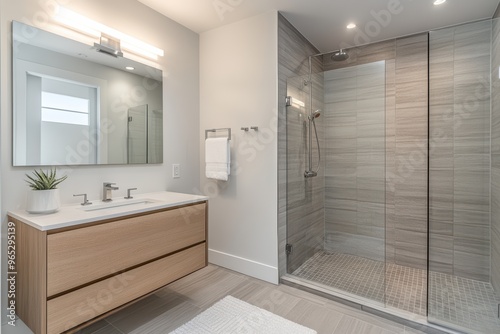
(464, 302)
(182, 300)
(405, 287)
(459, 301)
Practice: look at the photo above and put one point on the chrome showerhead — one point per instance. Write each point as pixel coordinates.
(315, 114)
(341, 55)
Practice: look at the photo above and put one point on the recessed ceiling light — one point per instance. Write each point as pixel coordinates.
(130, 68)
(439, 2)
(351, 26)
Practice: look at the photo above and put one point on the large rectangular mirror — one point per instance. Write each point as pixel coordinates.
(76, 106)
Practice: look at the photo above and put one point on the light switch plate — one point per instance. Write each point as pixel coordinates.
(176, 171)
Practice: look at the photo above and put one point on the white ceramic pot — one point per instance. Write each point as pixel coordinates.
(43, 201)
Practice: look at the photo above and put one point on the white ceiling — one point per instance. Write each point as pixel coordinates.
(323, 22)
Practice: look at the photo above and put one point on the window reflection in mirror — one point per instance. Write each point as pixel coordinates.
(68, 117)
(75, 106)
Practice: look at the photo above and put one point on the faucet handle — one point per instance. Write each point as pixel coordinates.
(85, 201)
(109, 185)
(128, 193)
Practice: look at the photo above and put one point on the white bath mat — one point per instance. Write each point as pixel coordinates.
(231, 315)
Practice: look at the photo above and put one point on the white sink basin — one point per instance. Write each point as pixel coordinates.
(133, 203)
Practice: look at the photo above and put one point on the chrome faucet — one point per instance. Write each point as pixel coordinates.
(106, 191)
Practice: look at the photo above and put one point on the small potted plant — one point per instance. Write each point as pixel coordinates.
(44, 195)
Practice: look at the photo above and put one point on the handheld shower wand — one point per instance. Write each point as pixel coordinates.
(312, 117)
(310, 172)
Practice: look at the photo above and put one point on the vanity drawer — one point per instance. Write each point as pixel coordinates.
(84, 255)
(79, 306)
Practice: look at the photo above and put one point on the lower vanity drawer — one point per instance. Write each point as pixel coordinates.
(79, 306)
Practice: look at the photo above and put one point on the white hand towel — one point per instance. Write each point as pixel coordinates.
(217, 158)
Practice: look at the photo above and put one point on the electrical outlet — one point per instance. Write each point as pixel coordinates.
(176, 171)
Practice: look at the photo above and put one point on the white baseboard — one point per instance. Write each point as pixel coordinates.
(245, 266)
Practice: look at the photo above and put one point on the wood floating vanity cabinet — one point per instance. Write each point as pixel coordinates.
(70, 277)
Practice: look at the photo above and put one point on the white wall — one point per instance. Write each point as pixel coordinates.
(180, 98)
(238, 87)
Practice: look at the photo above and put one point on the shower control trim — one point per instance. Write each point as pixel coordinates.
(310, 173)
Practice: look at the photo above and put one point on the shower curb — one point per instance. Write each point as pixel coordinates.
(311, 288)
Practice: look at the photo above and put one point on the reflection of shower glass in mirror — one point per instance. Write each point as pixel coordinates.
(137, 135)
(155, 136)
(72, 104)
(144, 136)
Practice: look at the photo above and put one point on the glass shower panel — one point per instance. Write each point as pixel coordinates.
(305, 196)
(348, 255)
(355, 178)
(355, 170)
(462, 182)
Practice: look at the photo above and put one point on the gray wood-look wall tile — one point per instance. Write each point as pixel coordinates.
(495, 256)
(495, 157)
(460, 150)
(412, 255)
(390, 161)
(306, 223)
(472, 246)
(441, 138)
(441, 182)
(411, 125)
(410, 180)
(441, 221)
(409, 94)
(394, 143)
(441, 260)
(471, 266)
(440, 91)
(355, 159)
(471, 182)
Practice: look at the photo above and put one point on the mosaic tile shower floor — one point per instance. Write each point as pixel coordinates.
(456, 300)
(464, 302)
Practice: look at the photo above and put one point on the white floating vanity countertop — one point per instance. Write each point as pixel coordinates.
(76, 214)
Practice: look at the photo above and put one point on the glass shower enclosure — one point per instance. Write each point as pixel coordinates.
(404, 214)
(463, 215)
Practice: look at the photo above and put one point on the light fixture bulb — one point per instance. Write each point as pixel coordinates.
(95, 29)
(351, 26)
(439, 2)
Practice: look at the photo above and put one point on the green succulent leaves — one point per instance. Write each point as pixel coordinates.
(44, 180)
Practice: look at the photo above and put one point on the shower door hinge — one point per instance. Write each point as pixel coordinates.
(130, 118)
(288, 101)
(289, 249)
